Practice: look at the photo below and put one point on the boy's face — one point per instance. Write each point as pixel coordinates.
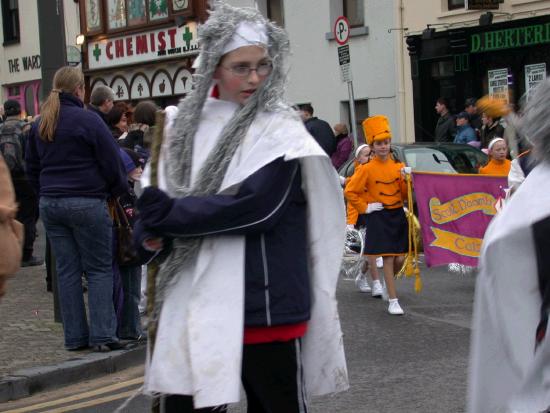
(235, 86)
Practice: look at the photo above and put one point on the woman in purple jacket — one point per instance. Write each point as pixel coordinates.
(74, 164)
(344, 145)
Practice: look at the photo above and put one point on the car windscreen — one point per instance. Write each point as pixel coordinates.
(428, 160)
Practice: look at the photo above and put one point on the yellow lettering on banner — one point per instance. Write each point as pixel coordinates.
(461, 206)
(459, 244)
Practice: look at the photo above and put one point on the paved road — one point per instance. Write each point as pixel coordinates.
(414, 363)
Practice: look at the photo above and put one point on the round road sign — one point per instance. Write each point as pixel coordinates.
(341, 30)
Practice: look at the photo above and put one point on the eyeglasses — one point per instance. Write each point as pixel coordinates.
(263, 69)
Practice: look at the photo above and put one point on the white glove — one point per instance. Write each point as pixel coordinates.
(342, 180)
(350, 227)
(406, 170)
(375, 206)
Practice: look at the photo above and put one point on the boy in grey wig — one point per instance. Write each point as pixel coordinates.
(252, 211)
(510, 351)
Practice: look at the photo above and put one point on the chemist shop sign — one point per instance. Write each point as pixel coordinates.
(143, 47)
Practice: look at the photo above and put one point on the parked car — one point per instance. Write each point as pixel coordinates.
(433, 157)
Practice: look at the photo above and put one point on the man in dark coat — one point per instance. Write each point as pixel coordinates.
(475, 120)
(101, 101)
(445, 130)
(319, 129)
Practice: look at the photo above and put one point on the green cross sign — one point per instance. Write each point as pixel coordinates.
(187, 37)
(97, 52)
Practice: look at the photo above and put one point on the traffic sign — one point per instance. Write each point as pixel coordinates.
(344, 61)
(341, 30)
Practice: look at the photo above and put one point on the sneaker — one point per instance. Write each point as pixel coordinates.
(394, 308)
(32, 262)
(362, 283)
(379, 262)
(377, 289)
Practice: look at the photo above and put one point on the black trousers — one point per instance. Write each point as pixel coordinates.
(27, 213)
(272, 378)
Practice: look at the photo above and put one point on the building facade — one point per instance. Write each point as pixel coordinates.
(142, 49)
(375, 60)
(145, 49)
(457, 53)
(20, 54)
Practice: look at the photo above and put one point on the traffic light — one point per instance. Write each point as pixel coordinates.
(413, 45)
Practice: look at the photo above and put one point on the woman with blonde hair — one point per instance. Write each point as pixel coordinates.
(75, 166)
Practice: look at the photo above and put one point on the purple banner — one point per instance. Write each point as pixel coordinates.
(454, 211)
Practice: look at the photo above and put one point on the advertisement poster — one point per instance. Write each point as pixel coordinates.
(534, 74)
(454, 211)
(498, 84)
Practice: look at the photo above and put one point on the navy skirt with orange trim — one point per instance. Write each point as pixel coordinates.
(387, 232)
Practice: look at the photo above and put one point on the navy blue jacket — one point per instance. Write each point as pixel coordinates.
(322, 133)
(99, 113)
(82, 161)
(270, 211)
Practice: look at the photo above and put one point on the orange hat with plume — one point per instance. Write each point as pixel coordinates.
(492, 107)
(376, 128)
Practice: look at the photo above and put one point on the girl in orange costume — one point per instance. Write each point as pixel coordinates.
(377, 189)
(363, 154)
(498, 164)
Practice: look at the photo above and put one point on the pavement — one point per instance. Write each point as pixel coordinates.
(417, 362)
(32, 355)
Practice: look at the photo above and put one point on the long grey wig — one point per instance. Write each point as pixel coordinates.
(535, 122)
(213, 36)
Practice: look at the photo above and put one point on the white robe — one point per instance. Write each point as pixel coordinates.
(198, 349)
(506, 375)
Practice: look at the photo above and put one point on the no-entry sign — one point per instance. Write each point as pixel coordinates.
(341, 30)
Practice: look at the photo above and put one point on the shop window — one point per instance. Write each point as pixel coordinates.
(137, 12)
(121, 14)
(158, 10)
(13, 90)
(442, 69)
(93, 16)
(455, 4)
(275, 11)
(354, 12)
(10, 20)
(116, 14)
(361, 113)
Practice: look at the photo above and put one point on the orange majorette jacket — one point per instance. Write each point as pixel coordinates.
(377, 181)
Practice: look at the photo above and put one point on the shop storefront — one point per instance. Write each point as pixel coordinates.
(142, 49)
(506, 60)
(24, 82)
